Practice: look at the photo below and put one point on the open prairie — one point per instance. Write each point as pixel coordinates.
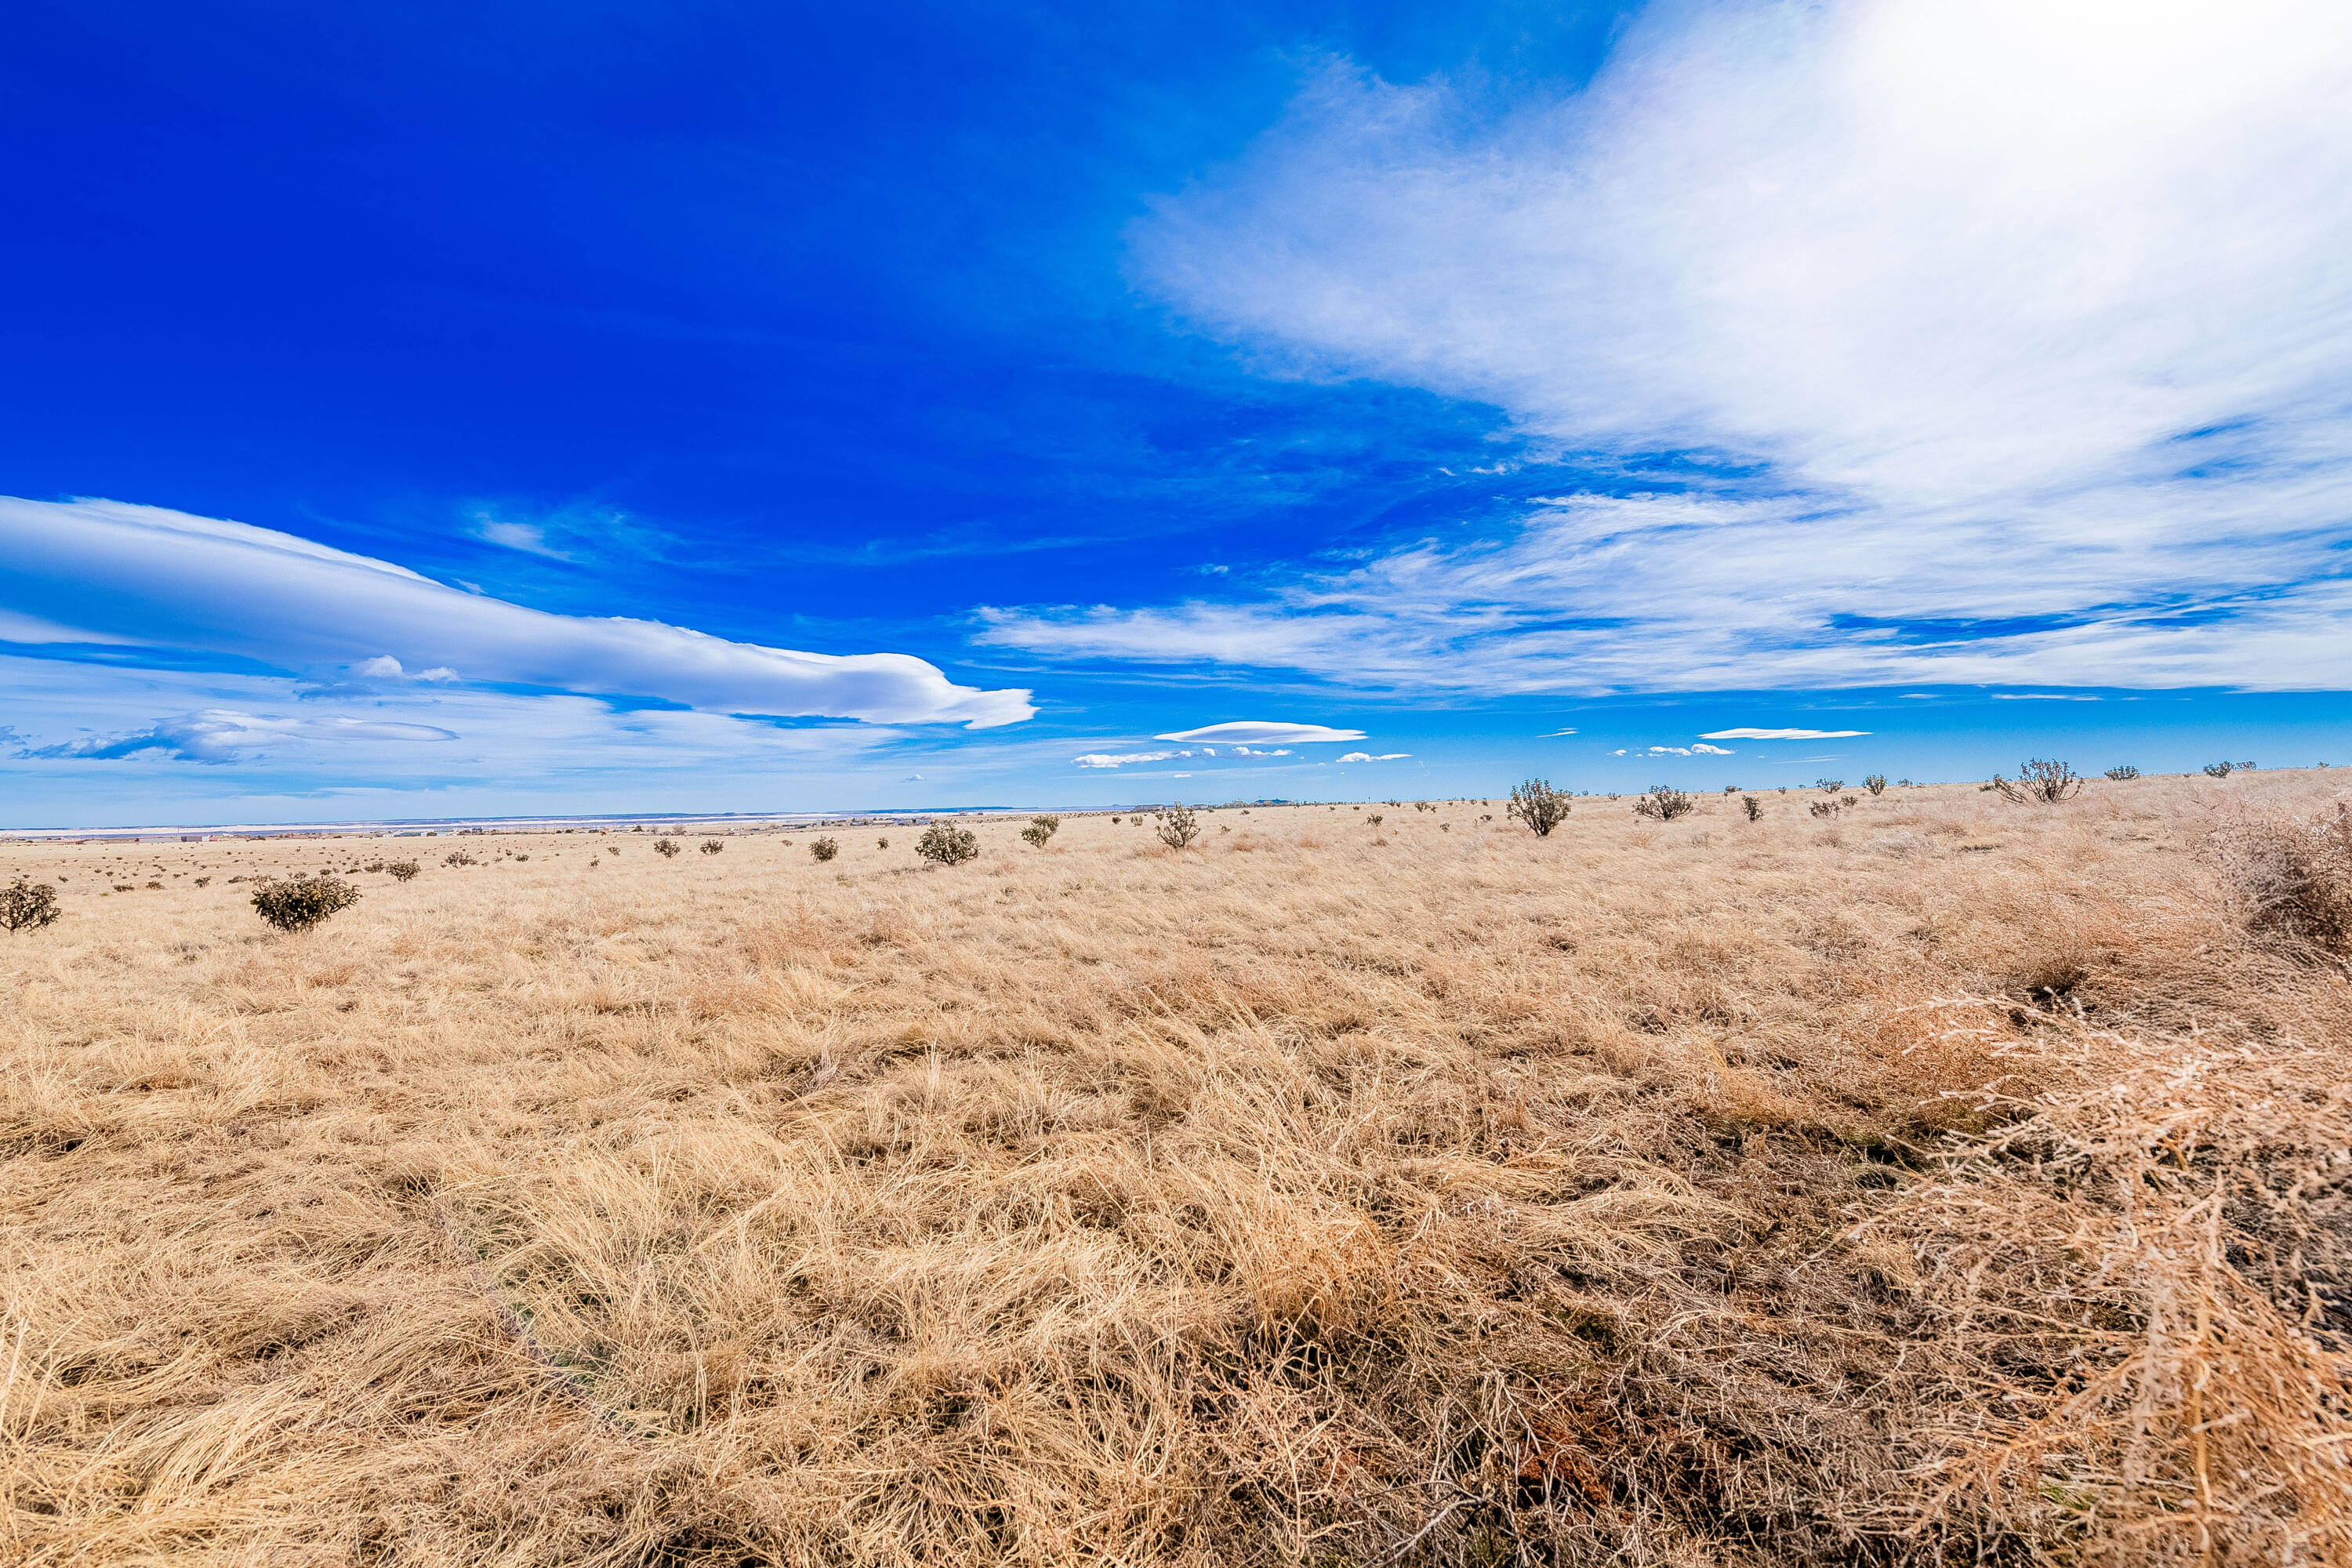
(1946, 1180)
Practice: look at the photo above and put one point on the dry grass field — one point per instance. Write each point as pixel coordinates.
(1948, 1181)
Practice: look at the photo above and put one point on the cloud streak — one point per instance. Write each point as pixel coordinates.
(149, 575)
(1990, 341)
(222, 735)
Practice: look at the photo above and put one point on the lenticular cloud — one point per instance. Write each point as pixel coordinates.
(104, 571)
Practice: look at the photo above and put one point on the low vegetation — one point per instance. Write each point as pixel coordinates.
(27, 906)
(1040, 830)
(1934, 1183)
(1538, 804)
(298, 903)
(1179, 826)
(824, 850)
(1663, 803)
(945, 845)
(2043, 781)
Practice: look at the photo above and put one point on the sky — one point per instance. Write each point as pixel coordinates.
(423, 410)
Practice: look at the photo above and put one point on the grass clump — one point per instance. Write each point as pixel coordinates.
(298, 903)
(945, 846)
(27, 906)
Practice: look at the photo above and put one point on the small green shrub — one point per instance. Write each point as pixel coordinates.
(27, 906)
(1828, 787)
(2042, 781)
(711, 846)
(823, 848)
(2220, 770)
(1752, 807)
(1823, 808)
(946, 845)
(881, 844)
(2123, 771)
(299, 903)
(376, 866)
(1179, 826)
(1875, 784)
(402, 871)
(1663, 803)
(459, 857)
(1040, 829)
(1540, 805)
(665, 847)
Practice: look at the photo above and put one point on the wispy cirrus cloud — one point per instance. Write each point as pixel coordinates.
(148, 575)
(1261, 732)
(1988, 340)
(1748, 734)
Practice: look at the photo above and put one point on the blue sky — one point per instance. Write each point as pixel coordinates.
(432, 410)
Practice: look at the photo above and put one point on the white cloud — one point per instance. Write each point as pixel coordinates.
(1247, 752)
(150, 575)
(224, 735)
(1704, 749)
(1670, 750)
(1555, 734)
(1368, 757)
(2042, 697)
(523, 536)
(1744, 734)
(1109, 760)
(1261, 732)
(1357, 757)
(2032, 322)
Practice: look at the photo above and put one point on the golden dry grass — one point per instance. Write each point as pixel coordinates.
(1951, 1181)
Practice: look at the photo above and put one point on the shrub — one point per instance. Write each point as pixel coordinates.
(824, 850)
(948, 845)
(2220, 770)
(2044, 781)
(27, 906)
(2292, 880)
(711, 846)
(376, 866)
(459, 857)
(1040, 829)
(665, 847)
(1663, 803)
(1849, 800)
(402, 869)
(203, 881)
(1752, 807)
(1375, 819)
(881, 844)
(1823, 808)
(299, 903)
(1540, 805)
(1875, 784)
(1828, 787)
(2123, 771)
(1179, 827)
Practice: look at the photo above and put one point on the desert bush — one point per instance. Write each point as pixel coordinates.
(711, 846)
(1375, 819)
(459, 857)
(667, 848)
(375, 866)
(824, 850)
(27, 906)
(1040, 829)
(402, 871)
(203, 881)
(1752, 807)
(1823, 807)
(298, 903)
(881, 844)
(948, 845)
(2220, 770)
(1538, 804)
(1179, 827)
(2291, 880)
(1663, 803)
(2123, 771)
(1875, 784)
(2042, 781)
(1849, 800)
(1828, 787)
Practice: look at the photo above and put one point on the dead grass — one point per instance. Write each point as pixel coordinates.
(1956, 1182)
